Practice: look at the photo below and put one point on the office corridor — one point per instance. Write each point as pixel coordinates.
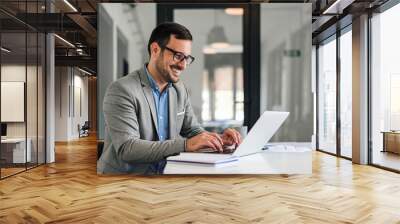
(70, 191)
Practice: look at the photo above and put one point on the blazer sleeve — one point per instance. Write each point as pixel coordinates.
(190, 126)
(123, 128)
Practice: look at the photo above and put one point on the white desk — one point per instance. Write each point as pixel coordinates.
(297, 161)
(18, 149)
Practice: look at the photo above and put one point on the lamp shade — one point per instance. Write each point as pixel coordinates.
(216, 37)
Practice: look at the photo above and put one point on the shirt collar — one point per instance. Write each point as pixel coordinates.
(153, 83)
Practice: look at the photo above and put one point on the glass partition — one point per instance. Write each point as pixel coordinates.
(22, 90)
(286, 68)
(14, 144)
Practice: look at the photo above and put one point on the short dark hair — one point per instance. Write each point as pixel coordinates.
(162, 33)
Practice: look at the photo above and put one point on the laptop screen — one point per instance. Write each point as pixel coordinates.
(262, 131)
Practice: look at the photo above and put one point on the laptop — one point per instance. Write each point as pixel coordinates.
(262, 131)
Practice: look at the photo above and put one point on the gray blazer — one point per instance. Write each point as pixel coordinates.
(131, 141)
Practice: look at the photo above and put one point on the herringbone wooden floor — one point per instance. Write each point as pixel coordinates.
(70, 191)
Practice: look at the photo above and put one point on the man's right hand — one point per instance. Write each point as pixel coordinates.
(204, 140)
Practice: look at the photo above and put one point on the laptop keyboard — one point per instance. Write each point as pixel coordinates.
(227, 150)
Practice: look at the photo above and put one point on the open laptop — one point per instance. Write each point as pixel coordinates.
(262, 131)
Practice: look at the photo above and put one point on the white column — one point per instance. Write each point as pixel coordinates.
(50, 99)
(360, 90)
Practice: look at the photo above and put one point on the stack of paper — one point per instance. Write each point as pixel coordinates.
(205, 158)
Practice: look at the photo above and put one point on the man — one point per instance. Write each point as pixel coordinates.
(148, 115)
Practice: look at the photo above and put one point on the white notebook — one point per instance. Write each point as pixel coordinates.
(206, 158)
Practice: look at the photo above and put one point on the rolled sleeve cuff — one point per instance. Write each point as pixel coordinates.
(178, 147)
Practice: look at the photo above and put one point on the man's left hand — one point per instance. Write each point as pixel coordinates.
(231, 136)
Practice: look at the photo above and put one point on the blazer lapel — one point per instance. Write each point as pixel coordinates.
(172, 111)
(149, 96)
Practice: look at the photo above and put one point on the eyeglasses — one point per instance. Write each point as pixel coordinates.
(179, 56)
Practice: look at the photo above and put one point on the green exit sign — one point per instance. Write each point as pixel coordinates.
(293, 53)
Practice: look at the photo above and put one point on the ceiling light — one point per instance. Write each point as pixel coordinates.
(64, 40)
(70, 5)
(232, 49)
(209, 50)
(234, 11)
(337, 7)
(84, 71)
(5, 50)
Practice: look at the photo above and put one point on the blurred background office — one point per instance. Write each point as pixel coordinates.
(218, 81)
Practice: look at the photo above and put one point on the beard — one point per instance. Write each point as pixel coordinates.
(170, 73)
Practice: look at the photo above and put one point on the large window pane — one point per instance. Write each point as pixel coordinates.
(346, 93)
(218, 102)
(385, 86)
(327, 96)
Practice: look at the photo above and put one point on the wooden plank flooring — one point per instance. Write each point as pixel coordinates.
(70, 191)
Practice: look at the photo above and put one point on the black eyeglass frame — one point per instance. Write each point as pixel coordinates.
(178, 59)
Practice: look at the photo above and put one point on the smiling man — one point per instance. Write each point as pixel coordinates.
(148, 115)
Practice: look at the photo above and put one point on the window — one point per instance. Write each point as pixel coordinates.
(346, 93)
(327, 96)
(385, 88)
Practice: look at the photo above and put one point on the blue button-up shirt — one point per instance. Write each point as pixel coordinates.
(162, 105)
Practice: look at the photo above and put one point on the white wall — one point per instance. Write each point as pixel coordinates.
(12, 73)
(135, 24)
(67, 116)
(61, 103)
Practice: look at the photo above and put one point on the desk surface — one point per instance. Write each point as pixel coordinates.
(268, 162)
(13, 140)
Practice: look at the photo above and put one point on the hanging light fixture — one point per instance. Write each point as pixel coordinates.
(216, 37)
